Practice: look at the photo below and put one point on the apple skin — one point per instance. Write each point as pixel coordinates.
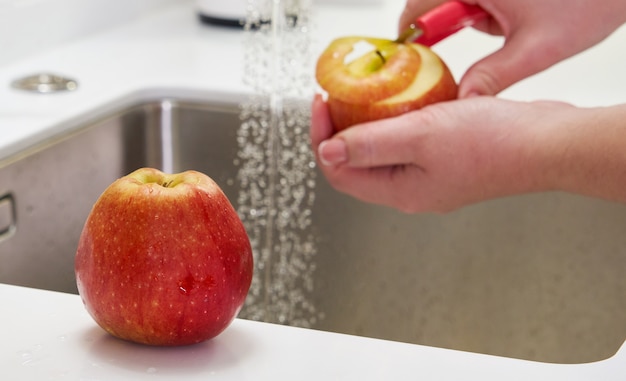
(360, 91)
(163, 259)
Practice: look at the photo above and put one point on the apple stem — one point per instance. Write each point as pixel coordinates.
(382, 58)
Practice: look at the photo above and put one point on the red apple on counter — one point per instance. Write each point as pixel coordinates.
(163, 259)
(370, 78)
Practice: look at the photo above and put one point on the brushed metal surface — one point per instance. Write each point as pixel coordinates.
(538, 277)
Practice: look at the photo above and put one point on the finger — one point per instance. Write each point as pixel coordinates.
(413, 9)
(520, 57)
(321, 125)
(382, 143)
(398, 187)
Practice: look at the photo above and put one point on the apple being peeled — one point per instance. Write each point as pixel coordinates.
(369, 79)
(163, 259)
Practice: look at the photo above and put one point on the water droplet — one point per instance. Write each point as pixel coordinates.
(25, 356)
(186, 285)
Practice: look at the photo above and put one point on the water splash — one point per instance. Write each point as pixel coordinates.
(275, 164)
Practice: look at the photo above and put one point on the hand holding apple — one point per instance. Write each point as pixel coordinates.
(384, 79)
(163, 259)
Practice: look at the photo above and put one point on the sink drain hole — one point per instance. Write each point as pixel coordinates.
(45, 83)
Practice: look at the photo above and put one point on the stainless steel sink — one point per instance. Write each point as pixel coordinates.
(539, 277)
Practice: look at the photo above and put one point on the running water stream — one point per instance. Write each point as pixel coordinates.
(275, 164)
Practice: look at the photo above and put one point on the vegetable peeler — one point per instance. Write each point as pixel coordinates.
(441, 22)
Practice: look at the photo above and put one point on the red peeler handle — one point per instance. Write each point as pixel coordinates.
(446, 19)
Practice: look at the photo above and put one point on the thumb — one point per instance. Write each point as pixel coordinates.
(381, 143)
(519, 58)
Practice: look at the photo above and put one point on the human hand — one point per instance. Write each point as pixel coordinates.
(446, 155)
(538, 34)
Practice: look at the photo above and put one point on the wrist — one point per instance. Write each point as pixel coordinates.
(584, 152)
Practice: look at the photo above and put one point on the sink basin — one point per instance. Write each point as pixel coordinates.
(537, 277)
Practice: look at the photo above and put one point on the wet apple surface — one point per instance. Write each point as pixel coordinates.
(163, 259)
(383, 79)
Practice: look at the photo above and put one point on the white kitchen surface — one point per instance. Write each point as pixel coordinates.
(49, 336)
(165, 52)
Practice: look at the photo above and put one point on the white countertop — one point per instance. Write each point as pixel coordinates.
(49, 336)
(167, 53)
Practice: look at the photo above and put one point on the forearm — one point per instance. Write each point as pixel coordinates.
(594, 157)
(588, 153)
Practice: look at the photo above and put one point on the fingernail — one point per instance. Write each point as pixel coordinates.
(332, 152)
